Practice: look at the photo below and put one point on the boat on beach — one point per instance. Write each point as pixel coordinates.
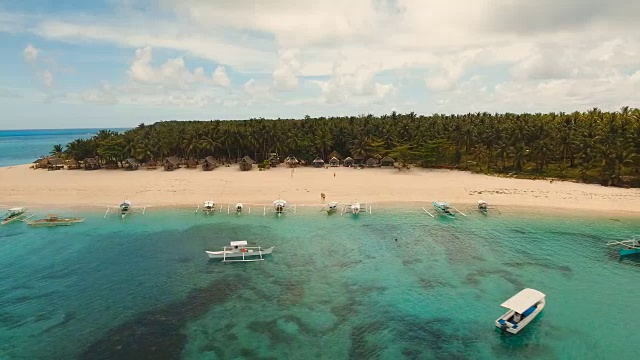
(208, 207)
(484, 207)
(332, 207)
(523, 308)
(627, 247)
(443, 208)
(125, 206)
(279, 206)
(54, 220)
(239, 251)
(356, 208)
(13, 214)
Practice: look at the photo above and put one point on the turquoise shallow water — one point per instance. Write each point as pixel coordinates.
(335, 287)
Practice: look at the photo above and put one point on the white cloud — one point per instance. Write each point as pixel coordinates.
(220, 77)
(285, 75)
(47, 78)
(103, 95)
(357, 86)
(30, 53)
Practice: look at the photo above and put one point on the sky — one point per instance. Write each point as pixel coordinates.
(117, 63)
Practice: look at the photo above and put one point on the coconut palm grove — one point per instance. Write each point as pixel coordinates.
(593, 146)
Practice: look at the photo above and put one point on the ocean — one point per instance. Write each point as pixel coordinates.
(24, 146)
(336, 287)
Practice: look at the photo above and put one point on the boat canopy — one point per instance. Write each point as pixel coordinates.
(238, 243)
(523, 300)
(16, 210)
(442, 204)
(208, 203)
(481, 202)
(279, 202)
(126, 203)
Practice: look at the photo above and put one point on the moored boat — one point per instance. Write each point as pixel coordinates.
(239, 251)
(54, 220)
(523, 308)
(13, 214)
(279, 206)
(627, 247)
(209, 206)
(443, 208)
(125, 206)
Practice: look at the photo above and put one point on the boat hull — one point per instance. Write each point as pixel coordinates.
(59, 222)
(237, 254)
(505, 324)
(624, 252)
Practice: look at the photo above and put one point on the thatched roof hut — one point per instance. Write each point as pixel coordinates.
(72, 164)
(335, 154)
(191, 163)
(209, 163)
(111, 165)
(171, 163)
(348, 162)
(151, 165)
(387, 161)
(246, 163)
(91, 164)
(318, 162)
(371, 162)
(358, 159)
(131, 164)
(55, 163)
(274, 160)
(334, 162)
(291, 161)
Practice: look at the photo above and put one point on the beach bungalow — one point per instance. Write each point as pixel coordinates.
(358, 160)
(151, 165)
(371, 162)
(274, 160)
(334, 162)
(131, 164)
(91, 164)
(246, 163)
(318, 163)
(291, 161)
(348, 162)
(334, 154)
(72, 164)
(387, 161)
(55, 164)
(171, 163)
(209, 163)
(111, 165)
(191, 163)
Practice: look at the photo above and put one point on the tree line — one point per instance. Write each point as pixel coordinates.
(593, 146)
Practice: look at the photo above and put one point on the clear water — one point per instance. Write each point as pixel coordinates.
(24, 146)
(335, 287)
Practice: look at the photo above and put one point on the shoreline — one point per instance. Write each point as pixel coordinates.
(386, 188)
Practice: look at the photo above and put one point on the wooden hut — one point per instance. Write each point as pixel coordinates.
(335, 154)
(209, 163)
(371, 162)
(387, 161)
(358, 159)
(334, 162)
(91, 164)
(131, 164)
(171, 163)
(318, 163)
(246, 163)
(151, 165)
(191, 163)
(274, 160)
(111, 165)
(348, 162)
(55, 163)
(291, 161)
(72, 164)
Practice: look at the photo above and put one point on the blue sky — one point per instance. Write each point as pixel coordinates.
(116, 63)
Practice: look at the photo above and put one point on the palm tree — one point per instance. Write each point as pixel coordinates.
(57, 151)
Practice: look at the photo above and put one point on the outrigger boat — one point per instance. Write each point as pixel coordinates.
(627, 247)
(331, 208)
(208, 207)
(279, 206)
(14, 214)
(125, 206)
(484, 207)
(356, 208)
(54, 220)
(239, 251)
(239, 207)
(444, 209)
(523, 308)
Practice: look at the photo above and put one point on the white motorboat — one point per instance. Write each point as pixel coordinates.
(279, 205)
(239, 251)
(523, 308)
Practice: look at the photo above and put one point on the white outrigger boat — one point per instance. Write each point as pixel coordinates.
(356, 208)
(331, 208)
(279, 207)
(444, 209)
(13, 214)
(53, 220)
(239, 251)
(208, 207)
(484, 207)
(523, 308)
(124, 209)
(627, 247)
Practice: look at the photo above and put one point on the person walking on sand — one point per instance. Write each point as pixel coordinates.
(334, 175)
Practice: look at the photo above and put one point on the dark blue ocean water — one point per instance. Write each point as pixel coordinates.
(24, 146)
(336, 287)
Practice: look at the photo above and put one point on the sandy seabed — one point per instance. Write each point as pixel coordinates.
(22, 186)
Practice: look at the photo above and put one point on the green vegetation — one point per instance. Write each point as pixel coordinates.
(594, 146)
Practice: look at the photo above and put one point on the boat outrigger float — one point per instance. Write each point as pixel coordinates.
(239, 251)
(54, 220)
(14, 214)
(627, 247)
(523, 308)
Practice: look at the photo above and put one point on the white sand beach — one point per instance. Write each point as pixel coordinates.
(22, 186)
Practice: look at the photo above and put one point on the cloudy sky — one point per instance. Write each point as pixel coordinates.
(121, 62)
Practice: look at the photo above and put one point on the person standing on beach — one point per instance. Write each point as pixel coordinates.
(334, 175)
